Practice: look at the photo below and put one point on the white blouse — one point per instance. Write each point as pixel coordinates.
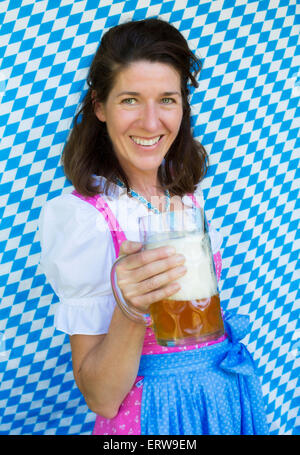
(77, 254)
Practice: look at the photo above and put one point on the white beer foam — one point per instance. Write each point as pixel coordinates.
(199, 281)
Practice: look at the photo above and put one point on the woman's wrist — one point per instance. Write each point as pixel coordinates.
(122, 322)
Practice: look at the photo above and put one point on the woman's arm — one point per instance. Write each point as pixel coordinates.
(105, 366)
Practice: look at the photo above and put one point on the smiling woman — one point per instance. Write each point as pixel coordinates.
(131, 152)
(139, 80)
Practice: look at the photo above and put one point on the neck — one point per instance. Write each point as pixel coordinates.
(150, 189)
(146, 186)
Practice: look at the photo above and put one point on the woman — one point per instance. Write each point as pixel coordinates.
(133, 152)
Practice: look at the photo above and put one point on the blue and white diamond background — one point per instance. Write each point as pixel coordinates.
(246, 114)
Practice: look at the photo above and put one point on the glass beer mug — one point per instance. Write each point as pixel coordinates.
(192, 314)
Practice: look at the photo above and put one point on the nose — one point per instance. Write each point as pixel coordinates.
(150, 119)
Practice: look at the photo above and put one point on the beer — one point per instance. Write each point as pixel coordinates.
(191, 321)
(193, 314)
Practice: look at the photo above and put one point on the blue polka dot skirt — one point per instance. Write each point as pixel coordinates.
(212, 390)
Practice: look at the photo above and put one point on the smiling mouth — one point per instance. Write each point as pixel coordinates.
(145, 142)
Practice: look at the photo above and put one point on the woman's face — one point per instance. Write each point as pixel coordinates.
(143, 115)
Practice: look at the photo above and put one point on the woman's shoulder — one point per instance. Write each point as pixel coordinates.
(188, 199)
(71, 229)
(66, 201)
(69, 211)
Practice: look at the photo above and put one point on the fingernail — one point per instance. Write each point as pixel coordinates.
(170, 250)
(179, 258)
(128, 245)
(136, 244)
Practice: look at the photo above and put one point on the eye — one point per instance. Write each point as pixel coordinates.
(129, 101)
(168, 100)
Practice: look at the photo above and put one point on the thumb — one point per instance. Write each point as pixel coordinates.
(129, 247)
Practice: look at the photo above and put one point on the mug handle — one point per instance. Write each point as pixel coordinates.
(132, 313)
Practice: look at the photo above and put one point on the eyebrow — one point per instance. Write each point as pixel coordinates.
(137, 94)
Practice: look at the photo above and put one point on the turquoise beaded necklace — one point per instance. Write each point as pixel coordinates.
(143, 200)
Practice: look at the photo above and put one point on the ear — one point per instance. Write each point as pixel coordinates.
(99, 111)
(98, 108)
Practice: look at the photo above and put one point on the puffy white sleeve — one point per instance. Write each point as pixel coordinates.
(76, 256)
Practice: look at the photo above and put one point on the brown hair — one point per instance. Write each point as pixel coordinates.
(89, 150)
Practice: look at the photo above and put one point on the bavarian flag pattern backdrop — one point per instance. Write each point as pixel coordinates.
(245, 113)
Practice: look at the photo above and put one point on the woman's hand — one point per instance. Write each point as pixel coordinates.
(148, 276)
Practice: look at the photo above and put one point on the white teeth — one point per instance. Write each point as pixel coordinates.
(139, 141)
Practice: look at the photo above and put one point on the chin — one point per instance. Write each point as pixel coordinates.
(149, 169)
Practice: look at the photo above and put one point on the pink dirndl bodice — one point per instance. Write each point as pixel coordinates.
(127, 420)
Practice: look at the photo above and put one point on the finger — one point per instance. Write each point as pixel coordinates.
(144, 301)
(154, 283)
(145, 257)
(129, 247)
(153, 268)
